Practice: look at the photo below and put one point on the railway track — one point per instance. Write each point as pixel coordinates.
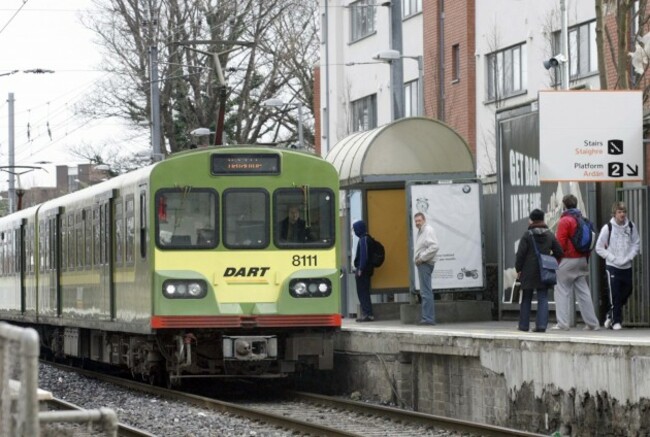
(364, 419)
(315, 415)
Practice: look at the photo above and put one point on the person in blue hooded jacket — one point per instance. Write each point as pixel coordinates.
(363, 271)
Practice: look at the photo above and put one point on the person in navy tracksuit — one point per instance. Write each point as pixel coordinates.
(618, 243)
(363, 271)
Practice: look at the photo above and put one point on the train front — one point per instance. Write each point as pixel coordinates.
(246, 262)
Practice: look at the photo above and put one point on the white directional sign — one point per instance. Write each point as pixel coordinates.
(591, 136)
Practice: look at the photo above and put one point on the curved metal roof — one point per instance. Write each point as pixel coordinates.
(414, 145)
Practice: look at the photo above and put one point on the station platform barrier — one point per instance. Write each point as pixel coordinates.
(21, 411)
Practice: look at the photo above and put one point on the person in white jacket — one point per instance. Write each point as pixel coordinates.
(425, 257)
(618, 243)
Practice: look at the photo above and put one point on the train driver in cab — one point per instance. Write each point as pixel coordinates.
(293, 229)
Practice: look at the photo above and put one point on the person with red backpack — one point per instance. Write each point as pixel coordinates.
(618, 243)
(573, 271)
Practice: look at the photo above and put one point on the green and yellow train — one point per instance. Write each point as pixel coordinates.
(215, 262)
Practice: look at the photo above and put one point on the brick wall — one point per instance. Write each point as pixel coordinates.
(636, 82)
(460, 95)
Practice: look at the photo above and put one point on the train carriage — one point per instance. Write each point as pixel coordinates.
(187, 267)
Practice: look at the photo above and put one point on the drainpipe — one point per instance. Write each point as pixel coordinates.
(325, 122)
(441, 60)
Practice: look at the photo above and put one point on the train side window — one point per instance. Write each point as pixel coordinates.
(53, 236)
(186, 219)
(245, 218)
(64, 242)
(30, 247)
(96, 234)
(72, 248)
(129, 243)
(119, 233)
(79, 228)
(18, 254)
(43, 249)
(88, 235)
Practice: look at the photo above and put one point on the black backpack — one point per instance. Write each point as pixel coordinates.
(376, 252)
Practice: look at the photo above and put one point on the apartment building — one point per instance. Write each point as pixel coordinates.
(479, 59)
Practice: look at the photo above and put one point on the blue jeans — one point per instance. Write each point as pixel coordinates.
(426, 293)
(541, 319)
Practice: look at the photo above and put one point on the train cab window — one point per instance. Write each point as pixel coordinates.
(186, 218)
(303, 217)
(245, 218)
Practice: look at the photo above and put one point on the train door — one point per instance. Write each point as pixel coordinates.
(54, 256)
(103, 233)
(49, 272)
(21, 264)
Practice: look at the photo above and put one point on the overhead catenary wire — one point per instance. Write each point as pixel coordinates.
(13, 16)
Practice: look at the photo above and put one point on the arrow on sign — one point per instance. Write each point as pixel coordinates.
(632, 171)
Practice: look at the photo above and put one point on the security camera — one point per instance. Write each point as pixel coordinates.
(555, 61)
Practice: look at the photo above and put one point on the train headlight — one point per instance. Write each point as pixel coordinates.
(310, 287)
(184, 289)
(299, 288)
(170, 290)
(194, 289)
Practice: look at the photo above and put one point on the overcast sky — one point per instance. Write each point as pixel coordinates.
(48, 35)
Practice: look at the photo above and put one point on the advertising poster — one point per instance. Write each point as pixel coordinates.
(453, 210)
(522, 190)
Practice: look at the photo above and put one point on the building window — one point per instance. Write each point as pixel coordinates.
(364, 113)
(411, 7)
(411, 103)
(362, 19)
(455, 62)
(506, 72)
(583, 54)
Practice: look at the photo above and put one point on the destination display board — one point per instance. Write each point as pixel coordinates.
(245, 164)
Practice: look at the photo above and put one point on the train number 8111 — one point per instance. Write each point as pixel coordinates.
(305, 260)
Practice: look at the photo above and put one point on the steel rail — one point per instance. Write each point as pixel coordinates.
(440, 422)
(215, 404)
(398, 414)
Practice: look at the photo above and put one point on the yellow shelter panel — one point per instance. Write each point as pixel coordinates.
(387, 223)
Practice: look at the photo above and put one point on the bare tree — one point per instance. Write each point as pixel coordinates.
(616, 38)
(276, 60)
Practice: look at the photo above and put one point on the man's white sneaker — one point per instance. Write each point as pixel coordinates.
(608, 323)
(591, 328)
(617, 326)
(559, 328)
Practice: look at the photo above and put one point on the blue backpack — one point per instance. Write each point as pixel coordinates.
(584, 238)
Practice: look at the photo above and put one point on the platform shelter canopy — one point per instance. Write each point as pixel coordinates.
(408, 146)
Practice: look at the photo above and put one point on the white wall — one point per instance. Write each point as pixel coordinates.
(504, 23)
(365, 76)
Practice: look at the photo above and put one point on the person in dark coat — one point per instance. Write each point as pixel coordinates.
(293, 229)
(527, 267)
(363, 271)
